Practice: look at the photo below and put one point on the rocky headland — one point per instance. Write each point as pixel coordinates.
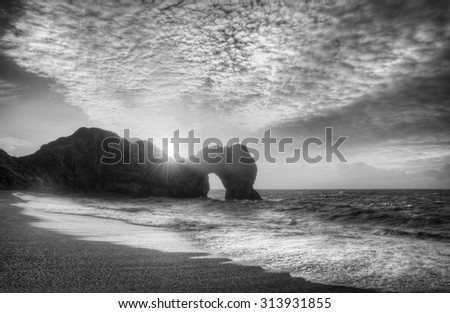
(79, 163)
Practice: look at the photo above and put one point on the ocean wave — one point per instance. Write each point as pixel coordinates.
(413, 234)
(382, 240)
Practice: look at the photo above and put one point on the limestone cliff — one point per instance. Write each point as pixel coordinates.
(234, 166)
(80, 163)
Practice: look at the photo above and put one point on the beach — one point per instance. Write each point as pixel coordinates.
(65, 253)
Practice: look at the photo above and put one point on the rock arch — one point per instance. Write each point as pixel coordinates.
(74, 163)
(234, 166)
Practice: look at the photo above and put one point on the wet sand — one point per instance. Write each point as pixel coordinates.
(47, 252)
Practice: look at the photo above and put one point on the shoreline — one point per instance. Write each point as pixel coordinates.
(102, 229)
(36, 255)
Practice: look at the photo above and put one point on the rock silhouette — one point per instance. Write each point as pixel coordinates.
(234, 166)
(96, 160)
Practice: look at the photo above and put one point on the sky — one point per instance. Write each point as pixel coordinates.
(376, 71)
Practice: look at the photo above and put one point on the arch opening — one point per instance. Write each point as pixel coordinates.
(216, 187)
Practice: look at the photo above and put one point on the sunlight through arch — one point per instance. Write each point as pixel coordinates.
(216, 188)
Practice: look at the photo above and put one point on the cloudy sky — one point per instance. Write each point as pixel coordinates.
(377, 71)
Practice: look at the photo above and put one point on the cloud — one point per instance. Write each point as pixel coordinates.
(248, 64)
(352, 176)
(376, 71)
(401, 113)
(442, 174)
(363, 172)
(404, 124)
(10, 144)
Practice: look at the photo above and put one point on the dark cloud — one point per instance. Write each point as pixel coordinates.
(363, 172)
(31, 112)
(413, 111)
(10, 11)
(442, 174)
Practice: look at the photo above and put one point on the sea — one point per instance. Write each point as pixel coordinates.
(387, 240)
